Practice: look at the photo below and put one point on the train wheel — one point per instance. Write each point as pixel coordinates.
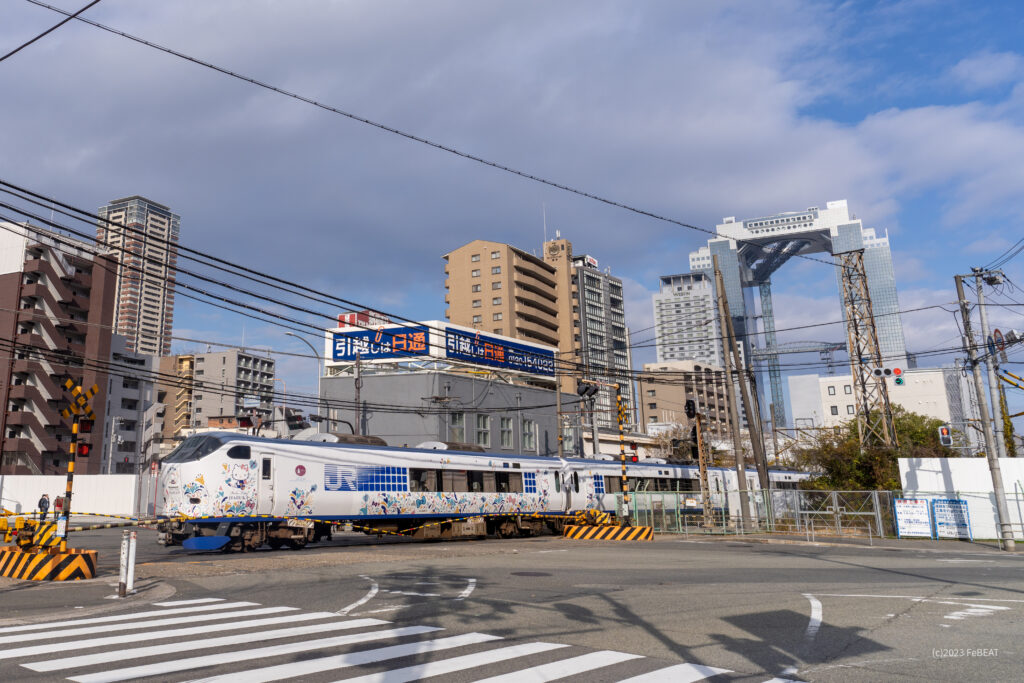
(275, 543)
(297, 543)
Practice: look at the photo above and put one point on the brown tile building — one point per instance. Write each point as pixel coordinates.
(663, 389)
(56, 312)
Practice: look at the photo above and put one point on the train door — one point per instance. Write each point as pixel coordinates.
(265, 500)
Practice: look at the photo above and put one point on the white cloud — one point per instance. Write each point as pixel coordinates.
(988, 70)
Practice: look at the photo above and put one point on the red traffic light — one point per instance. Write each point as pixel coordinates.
(897, 371)
(634, 458)
(632, 445)
(83, 450)
(85, 426)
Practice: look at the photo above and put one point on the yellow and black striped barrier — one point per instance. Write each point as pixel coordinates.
(52, 565)
(610, 533)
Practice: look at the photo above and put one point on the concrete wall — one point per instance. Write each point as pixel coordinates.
(100, 493)
(968, 479)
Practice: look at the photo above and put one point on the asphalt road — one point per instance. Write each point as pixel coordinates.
(753, 611)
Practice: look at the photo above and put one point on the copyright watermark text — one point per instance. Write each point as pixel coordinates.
(948, 652)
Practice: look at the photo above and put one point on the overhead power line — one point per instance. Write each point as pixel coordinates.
(48, 31)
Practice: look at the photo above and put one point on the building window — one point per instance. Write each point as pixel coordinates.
(477, 303)
(496, 270)
(474, 258)
(483, 430)
(499, 330)
(506, 432)
(831, 391)
(476, 288)
(497, 316)
(529, 436)
(478, 319)
(495, 285)
(834, 410)
(495, 254)
(650, 392)
(847, 389)
(849, 410)
(475, 273)
(652, 406)
(457, 427)
(496, 301)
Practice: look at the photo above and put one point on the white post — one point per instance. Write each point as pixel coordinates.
(123, 580)
(130, 582)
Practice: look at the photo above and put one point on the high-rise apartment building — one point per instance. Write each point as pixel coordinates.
(132, 428)
(144, 236)
(215, 384)
(561, 300)
(686, 320)
(56, 307)
(494, 287)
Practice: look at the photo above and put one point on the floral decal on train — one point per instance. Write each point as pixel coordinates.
(300, 501)
(193, 490)
(407, 503)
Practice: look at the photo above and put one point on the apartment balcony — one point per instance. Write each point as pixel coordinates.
(28, 419)
(536, 332)
(529, 270)
(547, 293)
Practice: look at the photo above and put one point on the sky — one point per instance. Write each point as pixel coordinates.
(913, 111)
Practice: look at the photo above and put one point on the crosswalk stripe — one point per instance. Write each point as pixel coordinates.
(124, 617)
(106, 628)
(197, 601)
(168, 633)
(560, 669)
(447, 666)
(202, 644)
(164, 668)
(681, 673)
(312, 666)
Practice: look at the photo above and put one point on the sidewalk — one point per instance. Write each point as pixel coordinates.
(913, 544)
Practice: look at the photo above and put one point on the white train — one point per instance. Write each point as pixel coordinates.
(228, 490)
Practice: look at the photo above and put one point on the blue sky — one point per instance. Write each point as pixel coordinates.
(912, 111)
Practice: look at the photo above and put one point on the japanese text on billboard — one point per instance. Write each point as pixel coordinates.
(391, 342)
(478, 348)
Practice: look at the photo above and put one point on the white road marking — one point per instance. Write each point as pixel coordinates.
(363, 600)
(680, 673)
(123, 617)
(198, 601)
(200, 644)
(447, 666)
(312, 666)
(105, 628)
(470, 585)
(420, 595)
(815, 623)
(548, 672)
(541, 552)
(947, 560)
(164, 668)
(48, 648)
(911, 597)
(378, 611)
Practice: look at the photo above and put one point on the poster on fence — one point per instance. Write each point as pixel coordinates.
(951, 518)
(913, 518)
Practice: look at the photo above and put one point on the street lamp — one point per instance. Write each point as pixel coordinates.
(319, 374)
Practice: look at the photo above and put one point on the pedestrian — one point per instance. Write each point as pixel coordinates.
(44, 507)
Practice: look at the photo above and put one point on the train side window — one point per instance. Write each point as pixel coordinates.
(576, 482)
(266, 468)
(501, 482)
(513, 482)
(239, 452)
(476, 481)
(558, 482)
(421, 481)
(490, 482)
(613, 484)
(455, 481)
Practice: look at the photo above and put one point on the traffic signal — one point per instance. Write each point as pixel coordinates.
(82, 450)
(295, 421)
(690, 409)
(898, 374)
(634, 458)
(945, 435)
(632, 445)
(85, 426)
(585, 388)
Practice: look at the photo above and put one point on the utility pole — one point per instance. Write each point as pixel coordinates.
(992, 360)
(730, 392)
(1002, 513)
(359, 386)
(594, 434)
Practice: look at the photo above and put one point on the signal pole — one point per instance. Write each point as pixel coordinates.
(558, 407)
(1002, 512)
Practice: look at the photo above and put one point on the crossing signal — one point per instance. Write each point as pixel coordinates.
(634, 458)
(82, 450)
(85, 426)
(690, 408)
(945, 435)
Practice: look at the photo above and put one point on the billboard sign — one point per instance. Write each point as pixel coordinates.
(913, 518)
(483, 350)
(390, 342)
(952, 519)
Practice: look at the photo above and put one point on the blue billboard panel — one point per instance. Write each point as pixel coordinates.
(477, 348)
(391, 342)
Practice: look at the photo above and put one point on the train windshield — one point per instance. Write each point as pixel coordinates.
(193, 448)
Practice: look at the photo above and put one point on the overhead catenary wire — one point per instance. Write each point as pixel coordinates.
(48, 31)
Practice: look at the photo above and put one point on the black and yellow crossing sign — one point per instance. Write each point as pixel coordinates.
(80, 401)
